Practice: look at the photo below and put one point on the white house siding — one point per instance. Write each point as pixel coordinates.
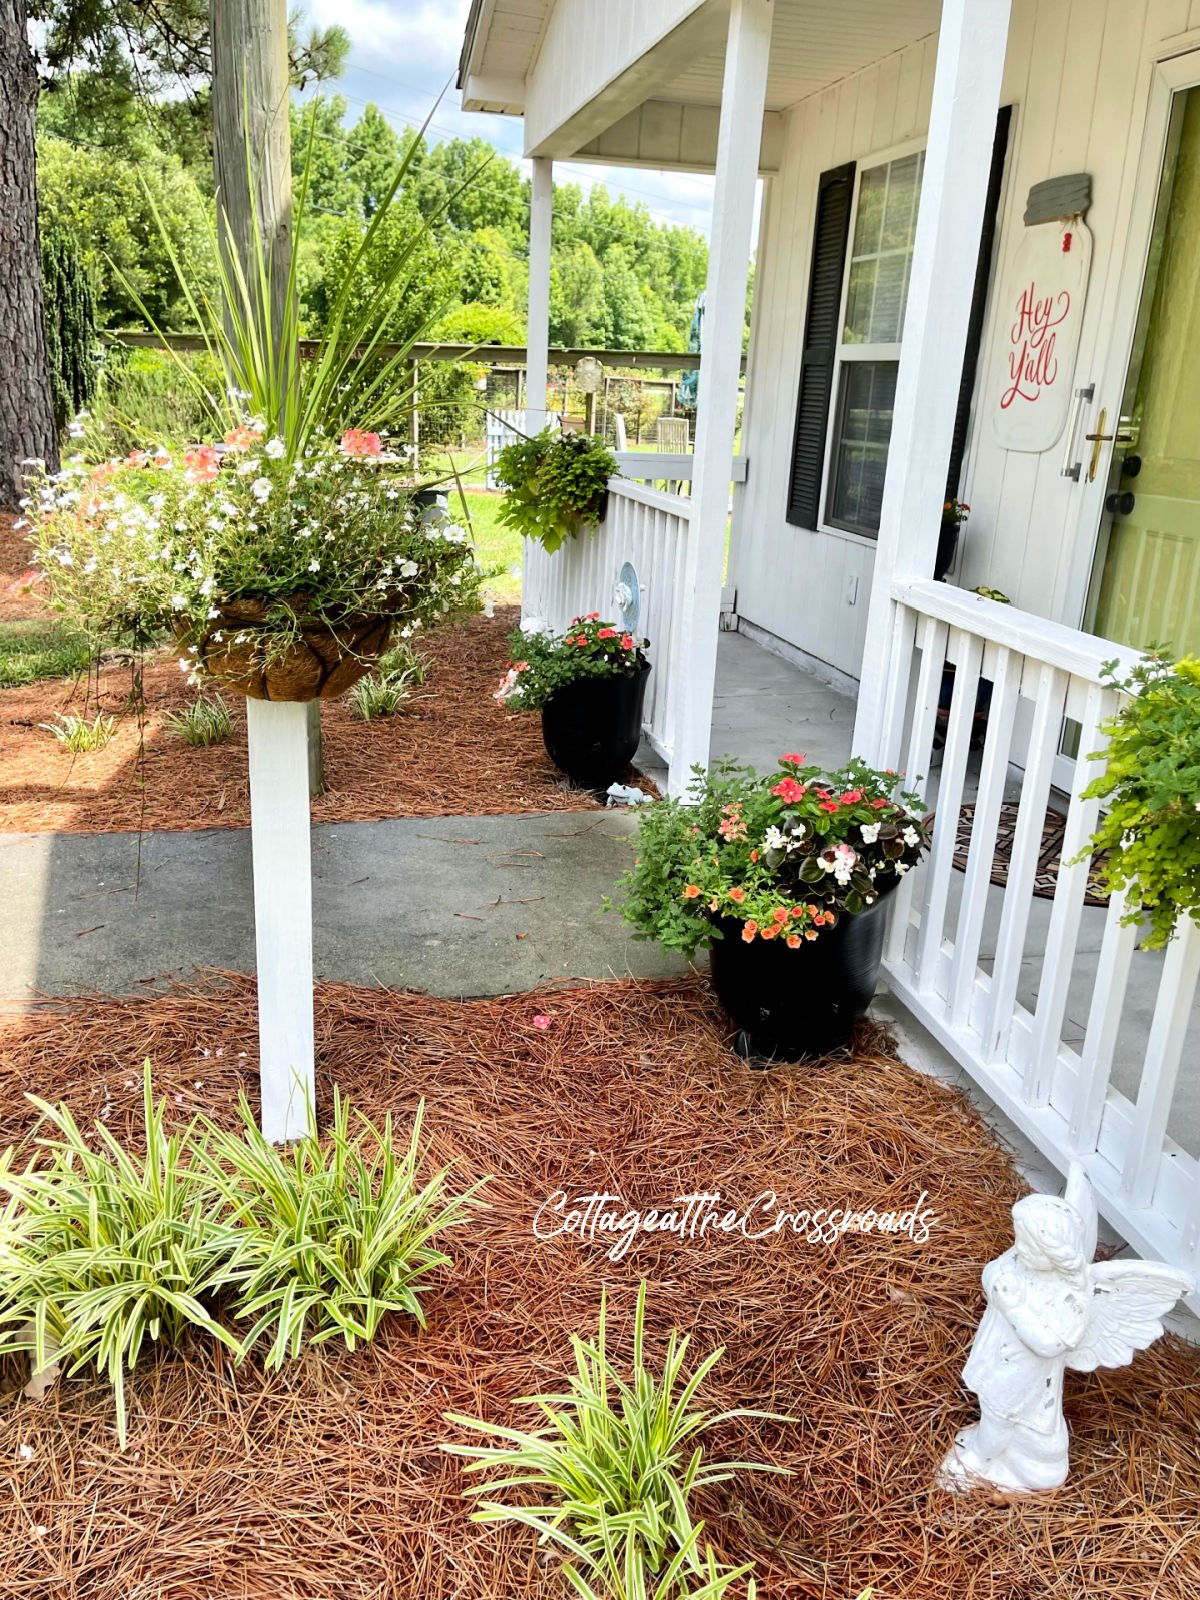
(1078, 76)
(587, 44)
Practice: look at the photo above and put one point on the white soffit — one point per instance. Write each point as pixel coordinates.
(501, 45)
(815, 43)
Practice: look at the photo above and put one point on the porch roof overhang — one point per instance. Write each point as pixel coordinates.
(649, 93)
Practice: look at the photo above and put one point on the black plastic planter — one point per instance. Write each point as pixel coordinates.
(592, 728)
(793, 1004)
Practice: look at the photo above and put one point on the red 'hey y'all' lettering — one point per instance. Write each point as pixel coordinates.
(1031, 363)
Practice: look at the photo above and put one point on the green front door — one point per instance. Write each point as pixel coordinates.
(1147, 585)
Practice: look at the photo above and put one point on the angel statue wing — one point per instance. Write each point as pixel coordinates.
(1129, 1301)
(1080, 1198)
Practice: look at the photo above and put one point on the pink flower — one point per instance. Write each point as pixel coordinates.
(793, 760)
(542, 1021)
(202, 465)
(627, 641)
(789, 790)
(243, 437)
(355, 442)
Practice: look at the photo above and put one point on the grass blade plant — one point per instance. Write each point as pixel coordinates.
(615, 1465)
(77, 734)
(330, 1235)
(102, 1249)
(206, 721)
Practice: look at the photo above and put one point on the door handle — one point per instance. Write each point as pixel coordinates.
(1120, 503)
(1096, 440)
(1071, 469)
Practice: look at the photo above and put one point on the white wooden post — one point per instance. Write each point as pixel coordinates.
(538, 322)
(962, 126)
(743, 103)
(279, 831)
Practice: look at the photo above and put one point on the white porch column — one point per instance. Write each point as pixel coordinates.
(538, 322)
(962, 126)
(279, 831)
(743, 103)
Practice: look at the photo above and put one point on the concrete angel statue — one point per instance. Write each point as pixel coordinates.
(1049, 1307)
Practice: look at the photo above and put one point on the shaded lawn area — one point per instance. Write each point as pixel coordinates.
(326, 1480)
(33, 649)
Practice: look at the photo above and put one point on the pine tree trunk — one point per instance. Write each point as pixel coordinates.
(26, 403)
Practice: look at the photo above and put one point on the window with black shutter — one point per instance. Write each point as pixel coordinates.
(835, 195)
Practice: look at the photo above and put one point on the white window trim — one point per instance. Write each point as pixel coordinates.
(855, 352)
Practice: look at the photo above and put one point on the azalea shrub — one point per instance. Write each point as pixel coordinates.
(1150, 828)
(164, 539)
(783, 856)
(544, 662)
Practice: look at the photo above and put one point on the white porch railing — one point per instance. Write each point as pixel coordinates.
(1006, 1025)
(648, 528)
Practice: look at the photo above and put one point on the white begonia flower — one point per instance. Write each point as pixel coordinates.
(274, 448)
(775, 839)
(901, 868)
(911, 838)
(870, 832)
(261, 489)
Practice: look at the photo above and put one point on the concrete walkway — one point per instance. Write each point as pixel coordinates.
(457, 906)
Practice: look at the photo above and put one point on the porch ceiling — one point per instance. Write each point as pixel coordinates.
(499, 48)
(813, 45)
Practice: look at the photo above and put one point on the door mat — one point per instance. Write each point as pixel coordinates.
(1049, 856)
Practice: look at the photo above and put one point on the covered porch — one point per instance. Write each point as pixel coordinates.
(1086, 1043)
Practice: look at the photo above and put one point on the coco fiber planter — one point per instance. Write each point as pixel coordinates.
(791, 1005)
(321, 661)
(592, 728)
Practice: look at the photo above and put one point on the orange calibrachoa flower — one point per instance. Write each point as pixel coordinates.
(691, 892)
(749, 929)
(737, 894)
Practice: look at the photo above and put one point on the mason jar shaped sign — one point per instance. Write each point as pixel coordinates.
(1037, 335)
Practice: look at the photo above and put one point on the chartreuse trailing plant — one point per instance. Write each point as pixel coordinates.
(544, 662)
(1150, 825)
(780, 856)
(103, 1250)
(612, 1469)
(555, 485)
(329, 1236)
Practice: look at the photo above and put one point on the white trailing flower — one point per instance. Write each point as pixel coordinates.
(408, 569)
(274, 448)
(179, 602)
(261, 489)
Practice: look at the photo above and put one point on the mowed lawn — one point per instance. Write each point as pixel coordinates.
(497, 545)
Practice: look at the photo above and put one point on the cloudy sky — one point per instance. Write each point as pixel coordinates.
(405, 52)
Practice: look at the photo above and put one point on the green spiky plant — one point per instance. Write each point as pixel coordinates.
(330, 1235)
(614, 1466)
(356, 378)
(103, 1251)
(206, 721)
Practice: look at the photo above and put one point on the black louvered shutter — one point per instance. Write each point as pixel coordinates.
(834, 194)
(983, 273)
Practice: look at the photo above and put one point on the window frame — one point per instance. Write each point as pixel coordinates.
(856, 352)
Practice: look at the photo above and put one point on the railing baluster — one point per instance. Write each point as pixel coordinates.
(1160, 1074)
(1103, 1025)
(1031, 822)
(993, 779)
(932, 638)
(967, 649)
(1067, 913)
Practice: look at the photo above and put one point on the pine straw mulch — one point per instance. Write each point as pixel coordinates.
(453, 752)
(327, 1480)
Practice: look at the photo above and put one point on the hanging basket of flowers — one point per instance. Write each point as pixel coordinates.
(590, 686)
(785, 877)
(281, 575)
